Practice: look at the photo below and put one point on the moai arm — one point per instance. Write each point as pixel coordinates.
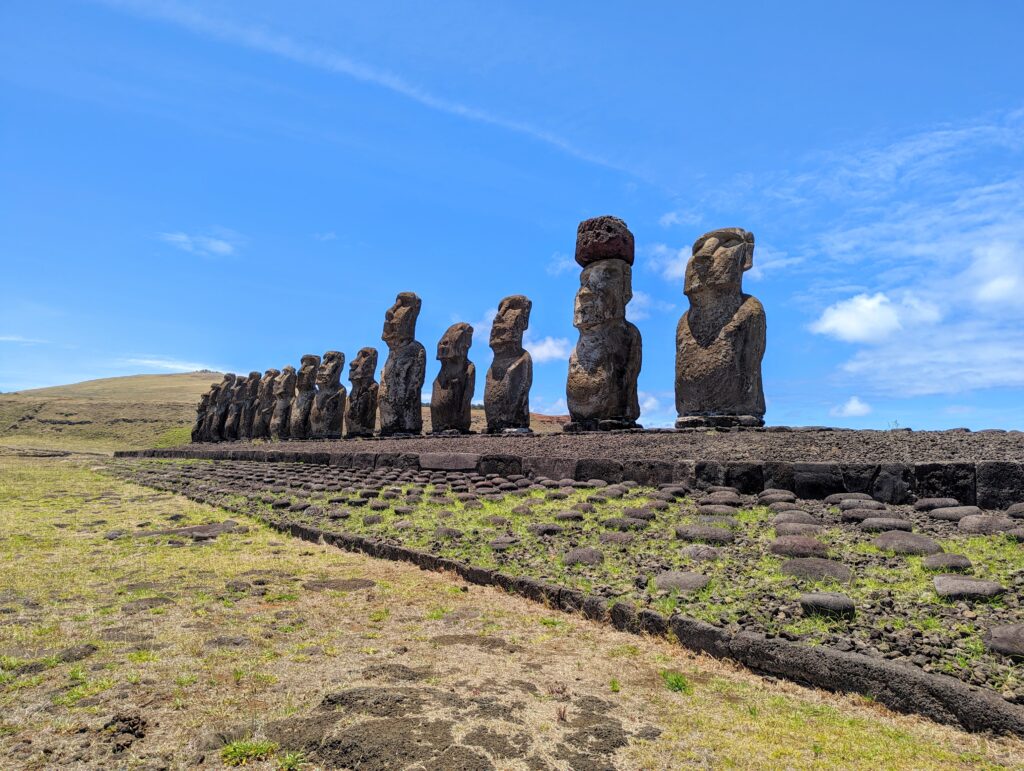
(520, 380)
(633, 364)
(467, 394)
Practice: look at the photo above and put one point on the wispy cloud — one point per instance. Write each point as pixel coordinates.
(548, 348)
(166, 364)
(224, 243)
(22, 340)
(560, 263)
(328, 236)
(330, 60)
(851, 408)
(643, 305)
(680, 217)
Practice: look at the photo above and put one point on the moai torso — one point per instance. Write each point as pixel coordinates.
(200, 422)
(284, 392)
(305, 392)
(249, 403)
(327, 416)
(264, 405)
(219, 413)
(510, 376)
(401, 382)
(361, 415)
(452, 395)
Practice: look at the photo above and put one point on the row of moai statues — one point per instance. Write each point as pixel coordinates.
(312, 403)
(720, 343)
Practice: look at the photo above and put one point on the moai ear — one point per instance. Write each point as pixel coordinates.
(748, 257)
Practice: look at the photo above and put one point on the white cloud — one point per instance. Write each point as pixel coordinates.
(482, 328)
(680, 217)
(873, 318)
(548, 348)
(168, 364)
(642, 305)
(21, 340)
(223, 244)
(542, 406)
(852, 408)
(559, 264)
(669, 262)
(768, 260)
(328, 236)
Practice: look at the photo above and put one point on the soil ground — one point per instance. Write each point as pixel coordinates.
(155, 652)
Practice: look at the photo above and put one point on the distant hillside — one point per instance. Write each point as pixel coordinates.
(131, 412)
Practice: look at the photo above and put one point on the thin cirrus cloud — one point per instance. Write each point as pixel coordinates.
(19, 339)
(222, 245)
(167, 364)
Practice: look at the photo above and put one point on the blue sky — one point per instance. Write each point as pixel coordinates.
(231, 185)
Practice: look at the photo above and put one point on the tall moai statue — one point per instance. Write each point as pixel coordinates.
(361, 415)
(327, 417)
(201, 411)
(305, 393)
(452, 395)
(219, 409)
(401, 382)
(264, 405)
(284, 393)
(720, 340)
(602, 387)
(210, 419)
(510, 376)
(249, 402)
(234, 410)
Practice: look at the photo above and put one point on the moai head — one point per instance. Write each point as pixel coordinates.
(306, 379)
(363, 366)
(511, 322)
(204, 400)
(454, 343)
(605, 288)
(329, 374)
(252, 385)
(226, 387)
(284, 383)
(603, 238)
(719, 261)
(400, 320)
(267, 381)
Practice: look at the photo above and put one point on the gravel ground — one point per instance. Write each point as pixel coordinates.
(775, 444)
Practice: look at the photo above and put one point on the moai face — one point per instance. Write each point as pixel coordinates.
(400, 320)
(454, 343)
(226, 387)
(719, 261)
(284, 383)
(329, 374)
(605, 288)
(307, 372)
(511, 322)
(252, 385)
(363, 366)
(267, 382)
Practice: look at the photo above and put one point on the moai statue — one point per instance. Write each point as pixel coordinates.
(211, 410)
(328, 414)
(361, 416)
(249, 395)
(604, 366)
(401, 382)
(510, 377)
(264, 405)
(234, 410)
(201, 411)
(720, 340)
(219, 409)
(452, 395)
(284, 393)
(305, 392)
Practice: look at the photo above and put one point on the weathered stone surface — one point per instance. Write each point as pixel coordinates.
(797, 528)
(929, 504)
(601, 389)
(999, 483)
(680, 581)
(305, 393)
(603, 238)
(945, 480)
(817, 569)
(264, 405)
(906, 543)
(327, 417)
(199, 426)
(401, 382)
(720, 340)
(510, 376)
(954, 513)
(1007, 640)
(950, 563)
(250, 401)
(954, 587)
(985, 524)
(798, 546)
(856, 503)
(881, 524)
(1016, 511)
(795, 517)
(284, 392)
(452, 395)
(361, 414)
(704, 534)
(830, 604)
(217, 412)
(234, 415)
(584, 555)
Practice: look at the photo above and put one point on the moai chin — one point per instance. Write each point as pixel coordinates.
(284, 393)
(361, 415)
(601, 390)
(510, 376)
(401, 382)
(720, 341)
(452, 394)
(218, 415)
(327, 417)
(264, 405)
(305, 392)
(201, 410)
(250, 393)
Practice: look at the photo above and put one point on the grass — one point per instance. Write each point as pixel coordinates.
(676, 682)
(241, 752)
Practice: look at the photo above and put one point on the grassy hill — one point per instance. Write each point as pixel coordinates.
(129, 413)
